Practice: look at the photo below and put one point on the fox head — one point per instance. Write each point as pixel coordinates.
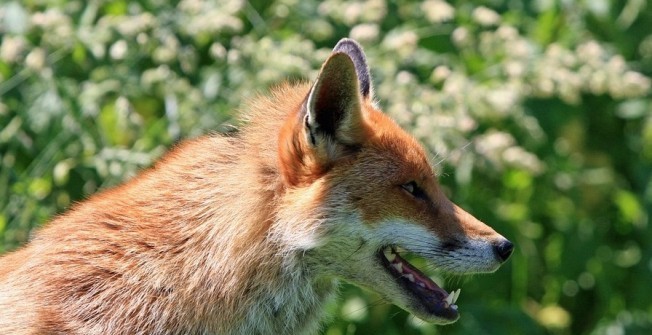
(369, 186)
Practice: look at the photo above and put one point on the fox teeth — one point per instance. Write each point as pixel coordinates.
(389, 254)
(398, 267)
(452, 297)
(449, 299)
(410, 277)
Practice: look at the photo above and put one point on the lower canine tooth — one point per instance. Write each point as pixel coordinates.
(398, 267)
(449, 298)
(457, 294)
(410, 277)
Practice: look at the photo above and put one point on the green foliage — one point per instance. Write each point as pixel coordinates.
(539, 114)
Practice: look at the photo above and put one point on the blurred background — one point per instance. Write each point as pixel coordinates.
(537, 113)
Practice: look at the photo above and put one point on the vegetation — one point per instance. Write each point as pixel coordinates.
(538, 114)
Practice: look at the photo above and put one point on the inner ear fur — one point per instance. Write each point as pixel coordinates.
(334, 106)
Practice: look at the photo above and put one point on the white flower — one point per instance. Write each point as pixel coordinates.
(11, 48)
(494, 141)
(635, 84)
(353, 12)
(461, 36)
(218, 51)
(49, 19)
(404, 42)
(502, 99)
(598, 82)
(374, 10)
(133, 25)
(519, 48)
(35, 60)
(507, 33)
(118, 50)
(590, 51)
(517, 156)
(485, 16)
(365, 32)
(514, 69)
(440, 73)
(437, 11)
(617, 64)
(404, 78)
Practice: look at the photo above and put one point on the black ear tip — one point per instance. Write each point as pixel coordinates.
(353, 49)
(347, 44)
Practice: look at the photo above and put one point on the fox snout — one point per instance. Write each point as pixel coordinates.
(461, 230)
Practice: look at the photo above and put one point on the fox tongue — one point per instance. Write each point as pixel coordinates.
(421, 282)
(420, 278)
(435, 299)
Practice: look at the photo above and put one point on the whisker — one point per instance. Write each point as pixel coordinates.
(437, 158)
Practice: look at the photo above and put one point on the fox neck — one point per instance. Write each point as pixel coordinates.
(293, 304)
(266, 285)
(272, 280)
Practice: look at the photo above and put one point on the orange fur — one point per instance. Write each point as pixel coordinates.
(246, 233)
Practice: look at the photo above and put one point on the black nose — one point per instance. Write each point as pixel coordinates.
(503, 249)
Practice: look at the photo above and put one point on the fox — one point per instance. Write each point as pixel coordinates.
(253, 232)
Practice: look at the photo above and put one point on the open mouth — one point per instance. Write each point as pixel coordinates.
(433, 299)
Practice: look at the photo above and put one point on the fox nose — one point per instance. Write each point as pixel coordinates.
(503, 250)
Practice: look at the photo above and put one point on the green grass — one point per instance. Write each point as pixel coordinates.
(538, 114)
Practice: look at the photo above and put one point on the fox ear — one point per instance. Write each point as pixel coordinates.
(331, 123)
(334, 104)
(352, 49)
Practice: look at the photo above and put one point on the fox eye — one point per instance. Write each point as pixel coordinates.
(415, 190)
